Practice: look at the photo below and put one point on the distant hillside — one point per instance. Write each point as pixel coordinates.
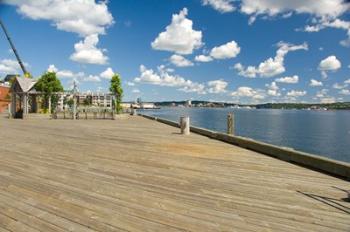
(330, 106)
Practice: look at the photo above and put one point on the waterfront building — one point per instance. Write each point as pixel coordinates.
(4, 96)
(104, 100)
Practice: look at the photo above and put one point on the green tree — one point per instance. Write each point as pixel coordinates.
(87, 101)
(48, 83)
(69, 102)
(117, 90)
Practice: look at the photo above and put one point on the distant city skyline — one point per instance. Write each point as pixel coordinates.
(218, 50)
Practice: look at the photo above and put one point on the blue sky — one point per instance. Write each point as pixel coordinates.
(255, 51)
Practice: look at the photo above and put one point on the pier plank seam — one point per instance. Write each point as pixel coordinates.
(137, 168)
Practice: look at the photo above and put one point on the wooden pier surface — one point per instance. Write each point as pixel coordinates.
(134, 174)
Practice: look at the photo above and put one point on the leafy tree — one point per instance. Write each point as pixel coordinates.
(70, 102)
(48, 83)
(117, 90)
(87, 101)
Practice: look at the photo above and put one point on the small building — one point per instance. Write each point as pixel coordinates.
(23, 97)
(188, 103)
(5, 98)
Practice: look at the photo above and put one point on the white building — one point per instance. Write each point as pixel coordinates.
(94, 99)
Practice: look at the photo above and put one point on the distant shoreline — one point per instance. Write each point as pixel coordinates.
(298, 106)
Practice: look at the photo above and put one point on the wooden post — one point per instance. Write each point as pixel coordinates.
(113, 114)
(9, 107)
(74, 107)
(25, 105)
(230, 124)
(34, 104)
(185, 125)
(13, 105)
(49, 104)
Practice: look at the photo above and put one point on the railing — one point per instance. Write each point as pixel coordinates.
(85, 113)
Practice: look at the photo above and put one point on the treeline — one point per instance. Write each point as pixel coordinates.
(330, 106)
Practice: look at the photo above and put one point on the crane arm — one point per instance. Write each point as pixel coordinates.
(14, 50)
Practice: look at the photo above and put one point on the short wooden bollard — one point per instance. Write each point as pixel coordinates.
(230, 124)
(185, 125)
(74, 108)
(133, 111)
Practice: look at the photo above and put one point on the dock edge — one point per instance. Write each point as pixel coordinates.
(318, 163)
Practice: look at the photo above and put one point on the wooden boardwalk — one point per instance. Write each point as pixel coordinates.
(134, 174)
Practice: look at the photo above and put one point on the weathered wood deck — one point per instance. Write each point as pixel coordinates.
(135, 174)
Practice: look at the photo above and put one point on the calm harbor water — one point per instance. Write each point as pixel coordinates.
(324, 133)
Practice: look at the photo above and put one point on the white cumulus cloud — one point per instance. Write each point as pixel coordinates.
(107, 74)
(315, 83)
(223, 6)
(245, 91)
(92, 78)
(225, 51)
(9, 66)
(217, 86)
(331, 63)
(87, 52)
(273, 89)
(331, 23)
(203, 58)
(80, 76)
(296, 93)
(339, 86)
(344, 92)
(319, 8)
(289, 80)
(180, 61)
(52, 68)
(87, 18)
(163, 78)
(62, 74)
(272, 66)
(78, 16)
(179, 36)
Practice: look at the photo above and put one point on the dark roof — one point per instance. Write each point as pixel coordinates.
(9, 77)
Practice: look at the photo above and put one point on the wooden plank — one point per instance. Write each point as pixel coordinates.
(139, 175)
